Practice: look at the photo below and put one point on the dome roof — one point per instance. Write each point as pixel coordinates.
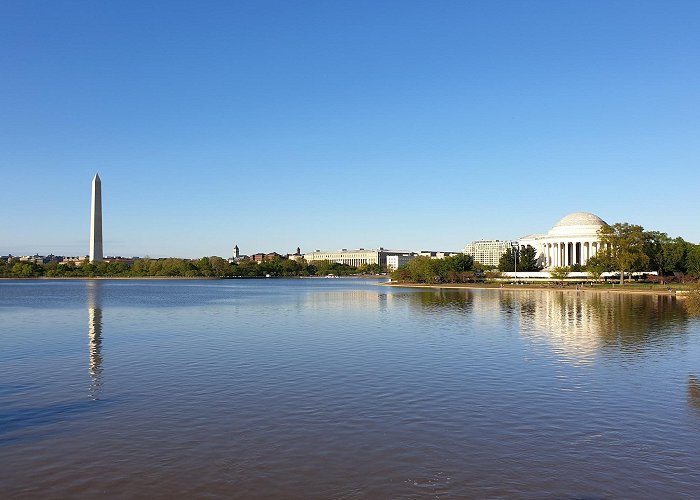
(581, 219)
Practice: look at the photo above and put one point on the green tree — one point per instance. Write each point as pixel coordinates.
(654, 244)
(527, 259)
(26, 269)
(369, 269)
(624, 244)
(676, 255)
(507, 261)
(420, 269)
(290, 267)
(459, 263)
(203, 267)
(246, 268)
(141, 267)
(559, 273)
(220, 267)
(693, 261)
(595, 267)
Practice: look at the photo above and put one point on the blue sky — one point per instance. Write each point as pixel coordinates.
(343, 124)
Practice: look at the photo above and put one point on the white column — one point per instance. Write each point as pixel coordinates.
(562, 253)
(551, 254)
(565, 254)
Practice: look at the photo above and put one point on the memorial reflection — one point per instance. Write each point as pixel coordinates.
(94, 303)
(578, 326)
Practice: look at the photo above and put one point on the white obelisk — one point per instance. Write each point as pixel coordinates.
(96, 220)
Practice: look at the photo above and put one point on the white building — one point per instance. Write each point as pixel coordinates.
(434, 254)
(354, 258)
(393, 262)
(488, 252)
(573, 240)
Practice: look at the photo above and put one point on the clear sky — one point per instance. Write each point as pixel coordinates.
(343, 124)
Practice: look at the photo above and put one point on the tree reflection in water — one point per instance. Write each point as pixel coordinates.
(577, 325)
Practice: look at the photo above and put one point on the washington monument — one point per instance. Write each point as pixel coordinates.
(96, 220)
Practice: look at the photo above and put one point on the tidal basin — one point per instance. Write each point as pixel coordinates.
(341, 388)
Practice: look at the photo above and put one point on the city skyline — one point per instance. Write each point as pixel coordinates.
(401, 125)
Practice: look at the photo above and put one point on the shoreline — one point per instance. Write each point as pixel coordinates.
(74, 278)
(68, 278)
(522, 288)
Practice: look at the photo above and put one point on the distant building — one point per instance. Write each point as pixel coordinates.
(488, 252)
(260, 257)
(436, 254)
(354, 258)
(295, 256)
(35, 259)
(237, 256)
(119, 258)
(52, 258)
(76, 261)
(393, 262)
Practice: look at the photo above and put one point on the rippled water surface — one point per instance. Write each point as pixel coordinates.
(319, 388)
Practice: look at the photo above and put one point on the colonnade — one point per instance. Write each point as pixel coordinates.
(569, 253)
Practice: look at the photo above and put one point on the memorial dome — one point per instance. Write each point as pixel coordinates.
(578, 223)
(581, 219)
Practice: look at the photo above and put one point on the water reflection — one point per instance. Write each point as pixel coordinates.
(694, 392)
(94, 302)
(577, 326)
(361, 300)
(582, 325)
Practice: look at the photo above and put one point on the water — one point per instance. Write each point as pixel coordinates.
(320, 388)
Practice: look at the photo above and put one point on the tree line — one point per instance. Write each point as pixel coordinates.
(185, 268)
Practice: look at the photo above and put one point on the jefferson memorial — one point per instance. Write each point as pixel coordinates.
(573, 240)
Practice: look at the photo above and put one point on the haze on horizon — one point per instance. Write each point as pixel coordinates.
(409, 125)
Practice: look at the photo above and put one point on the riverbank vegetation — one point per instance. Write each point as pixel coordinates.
(628, 248)
(454, 269)
(206, 267)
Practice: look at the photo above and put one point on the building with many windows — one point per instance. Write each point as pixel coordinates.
(393, 262)
(488, 252)
(353, 258)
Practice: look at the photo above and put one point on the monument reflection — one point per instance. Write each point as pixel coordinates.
(577, 326)
(94, 303)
